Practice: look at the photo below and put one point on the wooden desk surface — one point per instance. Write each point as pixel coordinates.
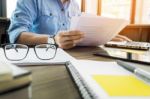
(54, 82)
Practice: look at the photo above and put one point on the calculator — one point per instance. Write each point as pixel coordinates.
(129, 45)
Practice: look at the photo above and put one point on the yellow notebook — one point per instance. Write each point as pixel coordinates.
(119, 85)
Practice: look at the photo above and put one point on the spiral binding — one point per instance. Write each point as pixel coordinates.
(85, 91)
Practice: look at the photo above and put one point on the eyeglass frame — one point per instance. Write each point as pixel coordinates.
(29, 46)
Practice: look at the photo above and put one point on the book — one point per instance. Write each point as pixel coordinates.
(23, 92)
(107, 80)
(5, 72)
(20, 78)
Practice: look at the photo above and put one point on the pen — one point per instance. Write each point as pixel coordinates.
(137, 71)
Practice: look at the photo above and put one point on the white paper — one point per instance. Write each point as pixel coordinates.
(31, 59)
(87, 68)
(98, 30)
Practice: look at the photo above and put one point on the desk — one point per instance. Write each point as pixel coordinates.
(54, 82)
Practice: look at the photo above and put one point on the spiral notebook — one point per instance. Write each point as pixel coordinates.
(107, 80)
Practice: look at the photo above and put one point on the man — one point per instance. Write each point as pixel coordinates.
(34, 21)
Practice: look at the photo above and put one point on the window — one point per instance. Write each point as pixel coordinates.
(116, 8)
(2, 8)
(136, 11)
(11, 5)
(79, 3)
(91, 6)
(143, 11)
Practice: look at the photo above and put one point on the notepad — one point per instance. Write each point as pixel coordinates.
(122, 85)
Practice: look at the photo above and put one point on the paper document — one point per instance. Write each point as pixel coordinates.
(98, 30)
(31, 59)
(108, 80)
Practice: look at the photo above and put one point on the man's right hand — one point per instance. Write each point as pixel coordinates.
(68, 39)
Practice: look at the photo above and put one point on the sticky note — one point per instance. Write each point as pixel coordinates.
(122, 85)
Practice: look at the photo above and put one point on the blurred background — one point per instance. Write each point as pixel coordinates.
(137, 12)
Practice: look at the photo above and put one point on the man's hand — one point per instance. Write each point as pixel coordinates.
(121, 38)
(69, 39)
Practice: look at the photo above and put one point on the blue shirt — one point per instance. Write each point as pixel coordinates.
(42, 17)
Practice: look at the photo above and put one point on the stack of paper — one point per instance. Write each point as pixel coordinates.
(98, 30)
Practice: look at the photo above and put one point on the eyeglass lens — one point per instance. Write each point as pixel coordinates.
(45, 51)
(16, 51)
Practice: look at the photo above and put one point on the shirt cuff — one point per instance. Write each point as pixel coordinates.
(14, 34)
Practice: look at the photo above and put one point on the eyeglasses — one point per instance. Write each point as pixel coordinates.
(17, 52)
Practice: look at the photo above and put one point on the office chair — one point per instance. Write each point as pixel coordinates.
(4, 24)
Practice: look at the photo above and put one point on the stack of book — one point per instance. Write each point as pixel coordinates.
(14, 82)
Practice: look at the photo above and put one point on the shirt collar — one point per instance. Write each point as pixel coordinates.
(64, 6)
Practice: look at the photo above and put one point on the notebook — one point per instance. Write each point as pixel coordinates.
(20, 78)
(107, 80)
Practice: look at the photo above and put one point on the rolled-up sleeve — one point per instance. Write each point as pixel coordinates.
(22, 19)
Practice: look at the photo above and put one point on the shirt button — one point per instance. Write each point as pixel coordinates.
(50, 14)
(62, 9)
(63, 24)
(16, 16)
